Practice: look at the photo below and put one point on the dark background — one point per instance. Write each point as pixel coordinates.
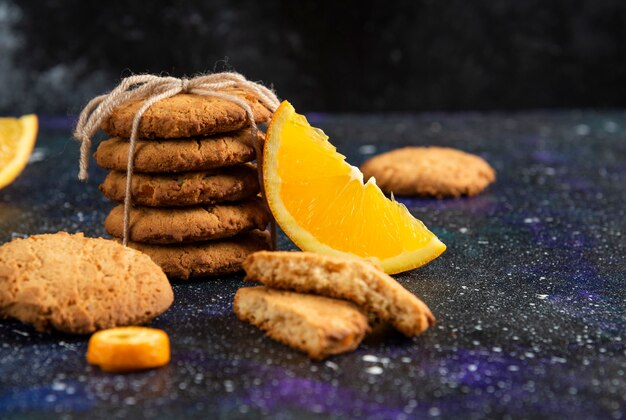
(334, 56)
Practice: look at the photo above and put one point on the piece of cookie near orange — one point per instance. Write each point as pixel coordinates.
(323, 205)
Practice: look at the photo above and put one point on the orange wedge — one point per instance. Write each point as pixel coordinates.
(322, 204)
(126, 349)
(17, 139)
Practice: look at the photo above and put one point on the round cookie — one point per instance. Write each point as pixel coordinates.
(179, 155)
(429, 171)
(188, 224)
(79, 285)
(185, 115)
(209, 258)
(186, 188)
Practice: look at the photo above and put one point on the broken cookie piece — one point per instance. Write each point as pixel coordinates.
(353, 279)
(316, 325)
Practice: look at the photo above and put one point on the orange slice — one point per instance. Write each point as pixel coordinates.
(322, 204)
(126, 349)
(17, 139)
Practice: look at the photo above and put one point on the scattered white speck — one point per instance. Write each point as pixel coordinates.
(555, 359)
(463, 230)
(550, 171)
(67, 345)
(58, 386)
(38, 155)
(513, 368)
(478, 327)
(51, 398)
(542, 297)
(483, 241)
(25, 334)
(331, 365)
(374, 370)
(497, 349)
(530, 220)
(472, 368)
(229, 386)
(434, 412)
(406, 360)
(130, 401)
(582, 129)
(317, 408)
(367, 149)
(435, 127)
(370, 358)
(610, 126)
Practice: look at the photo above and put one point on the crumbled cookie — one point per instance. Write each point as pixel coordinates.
(356, 280)
(316, 325)
(179, 155)
(79, 285)
(429, 171)
(186, 188)
(210, 258)
(188, 224)
(185, 115)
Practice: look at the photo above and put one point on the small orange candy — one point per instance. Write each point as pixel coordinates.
(127, 349)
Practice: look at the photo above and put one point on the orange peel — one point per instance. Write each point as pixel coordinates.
(126, 349)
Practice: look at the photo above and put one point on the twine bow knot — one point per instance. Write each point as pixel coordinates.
(184, 85)
(152, 89)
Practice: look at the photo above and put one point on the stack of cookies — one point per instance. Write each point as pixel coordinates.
(196, 209)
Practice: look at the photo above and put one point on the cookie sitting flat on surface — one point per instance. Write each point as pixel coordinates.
(210, 258)
(179, 155)
(185, 188)
(79, 285)
(316, 325)
(429, 171)
(185, 115)
(353, 279)
(188, 224)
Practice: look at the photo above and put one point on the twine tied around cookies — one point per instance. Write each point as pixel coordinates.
(152, 89)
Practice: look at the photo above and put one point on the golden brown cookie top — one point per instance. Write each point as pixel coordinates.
(234, 183)
(179, 155)
(188, 224)
(429, 171)
(78, 285)
(186, 115)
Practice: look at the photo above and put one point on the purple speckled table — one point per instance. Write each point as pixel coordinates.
(530, 295)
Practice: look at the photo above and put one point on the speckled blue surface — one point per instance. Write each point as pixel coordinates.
(530, 295)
